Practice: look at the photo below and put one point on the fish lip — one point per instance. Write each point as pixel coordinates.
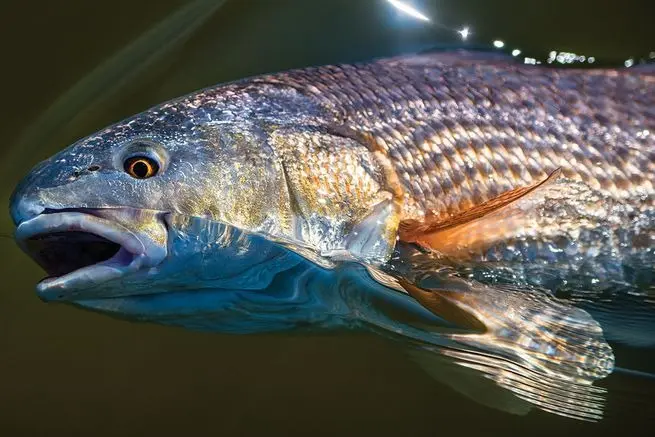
(136, 253)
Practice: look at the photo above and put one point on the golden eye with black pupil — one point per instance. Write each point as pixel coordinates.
(141, 167)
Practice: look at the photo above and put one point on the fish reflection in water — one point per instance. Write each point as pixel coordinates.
(442, 200)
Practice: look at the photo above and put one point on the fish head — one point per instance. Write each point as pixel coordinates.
(99, 210)
(99, 216)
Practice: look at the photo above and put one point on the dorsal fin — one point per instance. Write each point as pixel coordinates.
(438, 57)
(478, 227)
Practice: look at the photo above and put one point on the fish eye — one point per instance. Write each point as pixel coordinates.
(141, 167)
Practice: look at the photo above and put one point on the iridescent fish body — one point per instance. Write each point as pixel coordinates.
(458, 130)
(367, 196)
(453, 131)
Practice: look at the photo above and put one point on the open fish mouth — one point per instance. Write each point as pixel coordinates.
(81, 250)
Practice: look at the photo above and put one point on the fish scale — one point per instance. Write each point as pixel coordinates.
(461, 131)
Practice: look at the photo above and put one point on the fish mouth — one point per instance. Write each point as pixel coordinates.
(79, 250)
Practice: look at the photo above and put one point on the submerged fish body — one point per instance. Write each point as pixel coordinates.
(362, 196)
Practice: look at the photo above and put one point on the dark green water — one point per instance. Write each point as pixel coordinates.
(68, 372)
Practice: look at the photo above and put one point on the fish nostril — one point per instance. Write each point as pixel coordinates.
(77, 173)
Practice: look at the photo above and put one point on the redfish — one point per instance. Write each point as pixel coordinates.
(256, 205)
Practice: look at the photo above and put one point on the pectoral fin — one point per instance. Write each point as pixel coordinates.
(501, 384)
(546, 351)
(545, 333)
(479, 227)
(469, 382)
(444, 303)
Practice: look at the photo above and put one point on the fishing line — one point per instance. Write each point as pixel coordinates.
(631, 372)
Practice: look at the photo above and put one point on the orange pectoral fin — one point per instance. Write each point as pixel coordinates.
(479, 227)
(444, 304)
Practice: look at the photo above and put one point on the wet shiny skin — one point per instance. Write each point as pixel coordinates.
(352, 355)
(280, 162)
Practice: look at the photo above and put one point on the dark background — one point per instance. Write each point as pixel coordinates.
(68, 372)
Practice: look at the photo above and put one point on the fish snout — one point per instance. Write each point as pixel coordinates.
(23, 207)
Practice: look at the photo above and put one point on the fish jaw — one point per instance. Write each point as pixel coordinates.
(85, 250)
